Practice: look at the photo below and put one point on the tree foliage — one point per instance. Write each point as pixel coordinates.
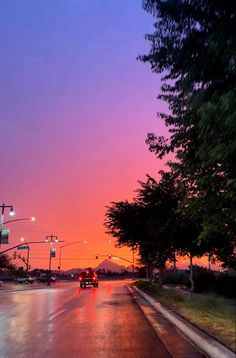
(193, 47)
(146, 224)
(154, 224)
(5, 262)
(124, 222)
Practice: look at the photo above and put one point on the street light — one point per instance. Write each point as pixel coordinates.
(71, 243)
(6, 233)
(32, 218)
(11, 212)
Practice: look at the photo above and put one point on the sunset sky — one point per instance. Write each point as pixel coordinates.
(76, 106)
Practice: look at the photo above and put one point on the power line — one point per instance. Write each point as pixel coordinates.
(67, 258)
(56, 231)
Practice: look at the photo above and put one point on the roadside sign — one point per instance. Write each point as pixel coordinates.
(4, 234)
(115, 258)
(23, 247)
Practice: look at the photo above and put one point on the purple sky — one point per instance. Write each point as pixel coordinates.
(76, 107)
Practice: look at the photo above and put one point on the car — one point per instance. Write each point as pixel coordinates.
(88, 278)
(46, 278)
(24, 279)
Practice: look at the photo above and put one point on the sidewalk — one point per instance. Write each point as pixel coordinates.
(206, 344)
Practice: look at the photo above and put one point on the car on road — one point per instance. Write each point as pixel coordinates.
(46, 278)
(24, 279)
(88, 278)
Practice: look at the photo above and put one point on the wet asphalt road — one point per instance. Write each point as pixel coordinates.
(67, 321)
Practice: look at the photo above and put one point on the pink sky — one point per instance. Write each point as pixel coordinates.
(76, 107)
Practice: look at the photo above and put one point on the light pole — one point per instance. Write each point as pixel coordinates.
(11, 213)
(71, 243)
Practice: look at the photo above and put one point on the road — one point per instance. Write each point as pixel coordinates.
(67, 321)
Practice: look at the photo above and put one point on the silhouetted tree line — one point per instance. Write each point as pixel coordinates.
(192, 208)
(107, 272)
(5, 263)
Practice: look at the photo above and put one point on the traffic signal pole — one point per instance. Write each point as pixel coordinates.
(14, 247)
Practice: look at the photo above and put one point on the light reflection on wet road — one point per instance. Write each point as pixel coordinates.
(67, 321)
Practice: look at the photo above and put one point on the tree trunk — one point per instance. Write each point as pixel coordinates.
(150, 272)
(175, 267)
(191, 273)
(209, 261)
(161, 273)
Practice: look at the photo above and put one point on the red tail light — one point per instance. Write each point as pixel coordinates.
(80, 278)
(94, 278)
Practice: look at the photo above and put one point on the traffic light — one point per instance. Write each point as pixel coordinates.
(14, 255)
(96, 257)
(59, 267)
(109, 256)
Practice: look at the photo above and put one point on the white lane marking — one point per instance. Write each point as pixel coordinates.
(56, 314)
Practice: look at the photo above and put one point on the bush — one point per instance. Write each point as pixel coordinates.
(168, 295)
(204, 281)
(225, 285)
(142, 272)
(178, 277)
(143, 285)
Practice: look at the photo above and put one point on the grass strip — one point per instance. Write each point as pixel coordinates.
(215, 315)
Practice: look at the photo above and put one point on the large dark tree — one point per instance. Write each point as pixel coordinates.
(193, 48)
(129, 224)
(154, 224)
(160, 202)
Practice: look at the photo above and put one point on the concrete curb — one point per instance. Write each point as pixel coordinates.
(206, 344)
